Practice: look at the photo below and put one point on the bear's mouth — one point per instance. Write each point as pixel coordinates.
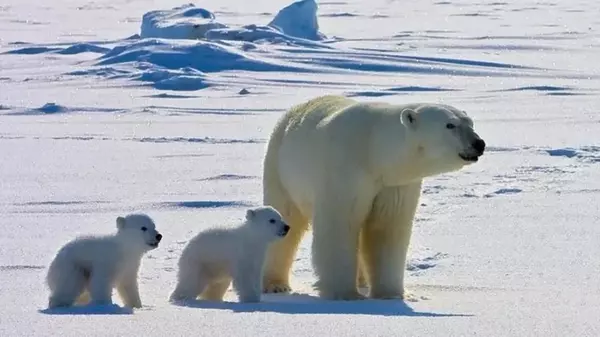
(469, 158)
(153, 244)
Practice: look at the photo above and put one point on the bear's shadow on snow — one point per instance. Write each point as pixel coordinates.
(111, 309)
(307, 304)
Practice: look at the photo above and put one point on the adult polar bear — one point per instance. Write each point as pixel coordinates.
(354, 170)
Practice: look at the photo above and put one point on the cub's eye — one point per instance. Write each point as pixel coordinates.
(272, 221)
(450, 126)
(144, 229)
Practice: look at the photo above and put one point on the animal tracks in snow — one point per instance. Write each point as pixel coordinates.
(586, 154)
(506, 175)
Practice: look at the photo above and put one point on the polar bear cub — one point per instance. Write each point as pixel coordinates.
(216, 257)
(89, 267)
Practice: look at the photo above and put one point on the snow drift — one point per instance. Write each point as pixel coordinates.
(205, 56)
(186, 48)
(299, 20)
(183, 22)
(296, 21)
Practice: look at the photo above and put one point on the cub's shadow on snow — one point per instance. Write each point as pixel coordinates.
(307, 304)
(89, 310)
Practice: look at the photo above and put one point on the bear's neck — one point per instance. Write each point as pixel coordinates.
(129, 249)
(252, 236)
(396, 159)
(403, 172)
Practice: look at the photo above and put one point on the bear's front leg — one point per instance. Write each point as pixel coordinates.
(129, 291)
(100, 286)
(386, 239)
(247, 277)
(281, 253)
(336, 228)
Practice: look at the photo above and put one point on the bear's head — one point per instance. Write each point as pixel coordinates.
(138, 230)
(441, 138)
(267, 219)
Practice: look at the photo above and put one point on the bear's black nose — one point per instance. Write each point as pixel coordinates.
(286, 228)
(479, 145)
(158, 237)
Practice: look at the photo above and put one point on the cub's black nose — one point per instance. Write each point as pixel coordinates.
(158, 237)
(286, 228)
(479, 145)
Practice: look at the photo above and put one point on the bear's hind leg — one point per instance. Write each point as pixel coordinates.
(281, 253)
(216, 290)
(191, 282)
(361, 278)
(101, 286)
(386, 239)
(66, 283)
(84, 298)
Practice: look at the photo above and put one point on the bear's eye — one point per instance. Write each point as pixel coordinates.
(450, 126)
(272, 221)
(144, 229)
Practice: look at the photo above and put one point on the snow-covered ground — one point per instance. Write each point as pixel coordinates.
(107, 107)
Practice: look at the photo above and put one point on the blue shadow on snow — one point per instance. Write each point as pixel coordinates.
(208, 204)
(111, 309)
(307, 304)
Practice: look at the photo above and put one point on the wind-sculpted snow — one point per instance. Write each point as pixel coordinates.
(110, 107)
(183, 22)
(187, 48)
(295, 22)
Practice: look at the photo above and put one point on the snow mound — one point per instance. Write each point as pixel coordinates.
(589, 154)
(185, 79)
(77, 48)
(51, 108)
(295, 22)
(201, 55)
(183, 22)
(252, 33)
(299, 20)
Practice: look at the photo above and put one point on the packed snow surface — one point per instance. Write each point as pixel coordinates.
(109, 107)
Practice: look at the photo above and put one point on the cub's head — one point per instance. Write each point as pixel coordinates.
(266, 219)
(139, 229)
(444, 138)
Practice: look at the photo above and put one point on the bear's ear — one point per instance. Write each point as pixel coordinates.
(250, 214)
(120, 222)
(409, 118)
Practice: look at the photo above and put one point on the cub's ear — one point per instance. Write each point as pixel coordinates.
(409, 118)
(250, 214)
(120, 222)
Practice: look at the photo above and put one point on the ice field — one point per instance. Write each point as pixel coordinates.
(110, 107)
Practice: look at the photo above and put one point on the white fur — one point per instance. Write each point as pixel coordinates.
(354, 171)
(215, 257)
(88, 268)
